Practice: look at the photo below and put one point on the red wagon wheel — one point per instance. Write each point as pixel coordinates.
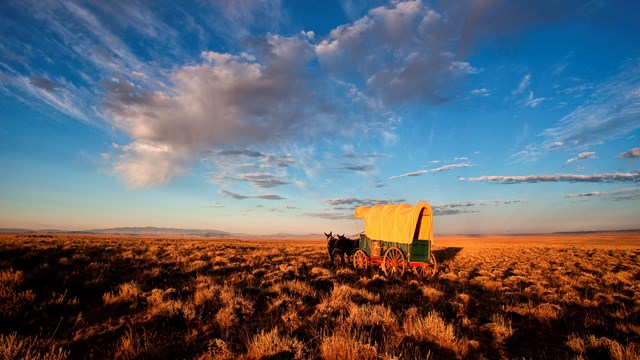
(393, 262)
(426, 270)
(360, 261)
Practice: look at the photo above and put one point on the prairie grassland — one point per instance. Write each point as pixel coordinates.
(82, 296)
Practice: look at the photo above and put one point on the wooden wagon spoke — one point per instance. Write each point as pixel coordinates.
(393, 262)
(360, 260)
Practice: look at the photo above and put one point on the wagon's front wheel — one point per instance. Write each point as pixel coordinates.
(360, 260)
(393, 262)
(426, 270)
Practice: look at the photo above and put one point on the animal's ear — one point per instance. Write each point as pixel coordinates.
(331, 233)
(325, 234)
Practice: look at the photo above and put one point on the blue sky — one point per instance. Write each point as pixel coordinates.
(260, 117)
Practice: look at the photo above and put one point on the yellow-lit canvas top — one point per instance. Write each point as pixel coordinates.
(397, 222)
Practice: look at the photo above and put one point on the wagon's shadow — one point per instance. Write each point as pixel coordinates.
(446, 254)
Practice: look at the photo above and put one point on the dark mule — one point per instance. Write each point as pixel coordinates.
(331, 244)
(341, 246)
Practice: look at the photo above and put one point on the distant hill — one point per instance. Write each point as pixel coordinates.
(134, 231)
(150, 230)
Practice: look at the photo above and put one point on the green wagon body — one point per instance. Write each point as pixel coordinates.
(417, 251)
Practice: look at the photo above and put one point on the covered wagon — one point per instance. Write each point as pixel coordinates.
(396, 237)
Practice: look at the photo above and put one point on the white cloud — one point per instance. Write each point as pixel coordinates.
(399, 52)
(588, 194)
(261, 169)
(582, 156)
(480, 92)
(362, 201)
(534, 102)
(457, 208)
(463, 67)
(242, 197)
(148, 162)
(622, 194)
(605, 178)
(633, 153)
(229, 100)
(612, 110)
(524, 84)
(442, 168)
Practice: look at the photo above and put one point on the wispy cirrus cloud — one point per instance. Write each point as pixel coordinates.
(439, 169)
(523, 85)
(362, 201)
(330, 215)
(262, 180)
(572, 178)
(533, 102)
(610, 111)
(358, 167)
(582, 156)
(283, 208)
(587, 194)
(622, 194)
(457, 208)
(242, 197)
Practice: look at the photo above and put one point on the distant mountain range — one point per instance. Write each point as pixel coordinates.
(147, 230)
(151, 230)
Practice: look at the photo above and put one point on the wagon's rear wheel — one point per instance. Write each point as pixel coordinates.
(393, 262)
(360, 261)
(427, 270)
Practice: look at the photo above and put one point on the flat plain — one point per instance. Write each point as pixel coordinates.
(559, 296)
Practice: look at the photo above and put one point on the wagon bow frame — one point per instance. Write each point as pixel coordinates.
(397, 237)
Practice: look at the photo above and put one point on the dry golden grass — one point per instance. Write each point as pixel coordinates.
(82, 296)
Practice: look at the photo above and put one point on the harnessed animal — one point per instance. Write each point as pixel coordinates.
(340, 246)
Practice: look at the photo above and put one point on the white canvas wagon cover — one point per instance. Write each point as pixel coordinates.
(397, 222)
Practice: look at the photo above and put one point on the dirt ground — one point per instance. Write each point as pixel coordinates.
(499, 297)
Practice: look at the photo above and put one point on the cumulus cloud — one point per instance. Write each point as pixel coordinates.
(242, 197)
(442, 168)
(633, 153)
(582, 156)
(399, 52)
(602, 178)
(409, 50)
(228, 99)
